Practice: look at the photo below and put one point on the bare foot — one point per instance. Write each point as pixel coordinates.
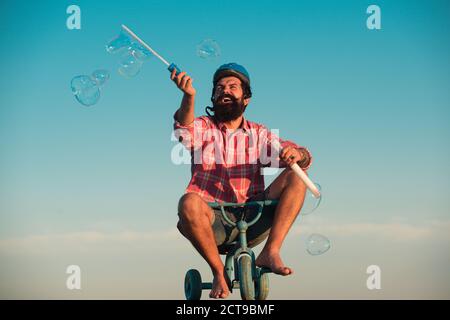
(273, 262)
(219, 287)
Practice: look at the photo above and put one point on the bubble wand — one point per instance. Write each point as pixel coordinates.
(171, 66)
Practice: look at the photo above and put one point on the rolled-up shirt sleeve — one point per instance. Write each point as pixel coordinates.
(304, 164)
(190, 135)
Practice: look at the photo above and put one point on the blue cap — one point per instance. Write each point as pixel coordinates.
(232, 69)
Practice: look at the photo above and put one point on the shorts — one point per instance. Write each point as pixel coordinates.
(227, 235)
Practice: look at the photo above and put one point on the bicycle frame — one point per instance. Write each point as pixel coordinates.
(233, 256)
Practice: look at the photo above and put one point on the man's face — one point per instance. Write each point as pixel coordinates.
(228, 100)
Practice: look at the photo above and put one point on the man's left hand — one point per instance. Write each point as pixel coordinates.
(291, 155)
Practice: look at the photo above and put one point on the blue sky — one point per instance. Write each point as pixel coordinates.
(371, 105)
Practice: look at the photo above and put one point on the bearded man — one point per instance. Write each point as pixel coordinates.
(230, 171)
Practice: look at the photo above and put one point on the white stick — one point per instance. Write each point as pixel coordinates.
(311, 186)
(300, 173)
(131, 33)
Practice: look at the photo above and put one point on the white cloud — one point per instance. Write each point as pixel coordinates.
(91, 241)
(395, 230)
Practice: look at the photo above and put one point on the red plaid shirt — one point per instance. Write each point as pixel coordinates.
(226, 165)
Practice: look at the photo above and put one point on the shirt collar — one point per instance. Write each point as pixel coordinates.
(245, 126)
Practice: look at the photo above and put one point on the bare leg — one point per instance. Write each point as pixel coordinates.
(290, 191)
(195, 224)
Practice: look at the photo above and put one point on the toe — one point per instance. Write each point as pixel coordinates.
(287, 271)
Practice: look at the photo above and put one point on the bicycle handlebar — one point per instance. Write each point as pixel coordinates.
(216, 205)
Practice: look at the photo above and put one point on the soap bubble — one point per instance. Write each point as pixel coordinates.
(139, 52)
(100, 76)
(86, 89)
(208, 49)
(119, 43)
(129, 66)
(134, 54)
(317, 244)
(311, 203)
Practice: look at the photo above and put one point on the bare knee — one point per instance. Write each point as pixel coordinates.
(286, 181)
(294, 182)
(190, 207)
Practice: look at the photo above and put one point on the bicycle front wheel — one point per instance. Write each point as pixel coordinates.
(246, 283)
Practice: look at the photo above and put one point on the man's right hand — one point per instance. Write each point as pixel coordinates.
(183, 82)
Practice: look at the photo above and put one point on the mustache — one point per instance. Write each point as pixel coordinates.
(227, 111)
(232, 98)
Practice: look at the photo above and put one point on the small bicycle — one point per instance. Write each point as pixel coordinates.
(240, 266)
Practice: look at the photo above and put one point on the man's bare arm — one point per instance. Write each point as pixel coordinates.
(185, 114)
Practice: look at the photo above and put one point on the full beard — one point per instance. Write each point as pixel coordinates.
(224, 112)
